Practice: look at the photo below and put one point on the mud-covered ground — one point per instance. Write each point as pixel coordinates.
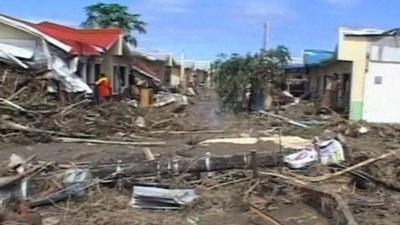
(376, 204)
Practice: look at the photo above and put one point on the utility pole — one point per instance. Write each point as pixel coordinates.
(266, 38)
(183, 75)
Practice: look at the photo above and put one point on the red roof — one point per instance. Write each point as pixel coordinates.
(87, 42)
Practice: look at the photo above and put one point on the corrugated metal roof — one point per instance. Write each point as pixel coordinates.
(318, 57)
(347, 31)
(295, 63)
(83, 41)
(31, 29)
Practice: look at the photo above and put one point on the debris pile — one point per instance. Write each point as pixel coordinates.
(29, 112)
(204, 190)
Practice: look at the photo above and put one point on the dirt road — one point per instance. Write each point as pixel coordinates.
(223, 205)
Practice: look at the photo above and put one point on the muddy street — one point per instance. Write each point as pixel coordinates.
(280, 196)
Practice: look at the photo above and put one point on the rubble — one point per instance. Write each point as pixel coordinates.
(359, 187)
(29, 112)
(160, 198)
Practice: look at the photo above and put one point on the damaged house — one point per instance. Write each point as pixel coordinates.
(375, 58)
(24, 46)
(360, 77)
(329, 79)
(75, 57)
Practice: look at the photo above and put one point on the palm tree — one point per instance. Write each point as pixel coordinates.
(103, 15)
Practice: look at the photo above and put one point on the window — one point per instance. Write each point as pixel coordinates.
(116, 87)
(122, 76)
(97, 71)
(79, 70)
(89, 75)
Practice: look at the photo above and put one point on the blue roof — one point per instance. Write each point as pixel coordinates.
(295, 63)
(318, 57)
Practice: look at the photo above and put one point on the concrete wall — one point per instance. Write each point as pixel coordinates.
(114, 58)
(381, 101)
(355, 49)
(175, 76)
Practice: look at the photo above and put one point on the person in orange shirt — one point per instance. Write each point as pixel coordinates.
(103, 88)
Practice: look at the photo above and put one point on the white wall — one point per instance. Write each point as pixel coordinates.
(382, 100)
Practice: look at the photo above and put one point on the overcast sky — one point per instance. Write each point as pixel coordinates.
(204, 28)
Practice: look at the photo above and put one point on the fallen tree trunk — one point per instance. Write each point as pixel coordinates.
(206, 164)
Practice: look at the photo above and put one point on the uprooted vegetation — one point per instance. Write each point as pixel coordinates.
(364, 189)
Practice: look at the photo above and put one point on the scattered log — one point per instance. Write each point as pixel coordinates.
(187, 132)
(13, 105)
(148, 153)
(211, 164)
(290, 121)
(347, 170)
(5, 124)
(331, 204)
(17, 93)
(161, 122)
(97, 141)
(264, 215)
(6, 181)
(228, 183)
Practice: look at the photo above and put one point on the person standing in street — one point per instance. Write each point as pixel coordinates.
(103, 88)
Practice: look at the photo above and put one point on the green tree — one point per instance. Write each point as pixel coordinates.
(103, 15)
(236, 75)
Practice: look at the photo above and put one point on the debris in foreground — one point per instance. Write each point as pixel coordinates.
(327, 152)
(160, 198)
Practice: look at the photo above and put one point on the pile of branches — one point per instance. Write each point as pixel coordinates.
(29, 112)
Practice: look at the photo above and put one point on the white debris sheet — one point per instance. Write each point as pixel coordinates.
(166, 98)
(11, 54)
(330, 152)
(161, 198)
(66, 75)
(292, 142)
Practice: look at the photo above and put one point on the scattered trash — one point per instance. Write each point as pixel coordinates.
(54, 220)
(15, 161)
(140, 122)
(330, 152)
(166, 98)
(160, 198)
(16, 191)
(76, 181)
(304, 158)
(363, 130)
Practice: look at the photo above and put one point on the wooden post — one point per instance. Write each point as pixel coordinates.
(146, 95)
(253, 162)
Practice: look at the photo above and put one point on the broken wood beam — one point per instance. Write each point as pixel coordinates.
(330, 203)
(346, 170)
(97, 141)
(290, 121)
(6, 124)
(148, 153)
(187, 132)
(254, 165)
